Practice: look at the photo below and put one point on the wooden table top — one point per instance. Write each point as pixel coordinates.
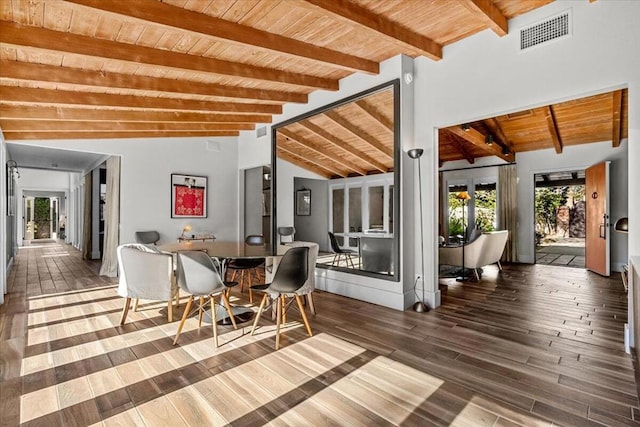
(221, 249)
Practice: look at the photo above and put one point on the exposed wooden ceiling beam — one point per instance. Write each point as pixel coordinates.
(337, 142)
(322, 150)
(302, 162)
(17, 136)
(293, 147)
(476, 138)
(70, 113)
(49, 73)
(222, 29)
(42, 38)
(617, 118)
(366, 18)
(62, 97)
(498, 133)
(376, 114)
(553, 129)
(455, 140)
(359, 133)
(88, 126)
(490, 14)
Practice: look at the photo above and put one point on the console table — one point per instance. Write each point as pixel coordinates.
(197, 238)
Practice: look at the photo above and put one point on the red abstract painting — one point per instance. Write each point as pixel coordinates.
(189, 201)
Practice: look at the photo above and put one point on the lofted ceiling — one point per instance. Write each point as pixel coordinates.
(181, 68)
(597, 118)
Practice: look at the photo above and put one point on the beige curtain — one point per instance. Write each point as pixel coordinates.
(111, 219)
(508, 210)
(86, 226)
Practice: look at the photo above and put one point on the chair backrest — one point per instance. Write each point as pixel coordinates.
(292, 272)
(198, 273)
(287, 233)
(314, 249)
(254, 240)
(147, 237)
(334, 243)
(145, 272)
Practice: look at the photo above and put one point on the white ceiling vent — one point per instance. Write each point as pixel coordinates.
(261, 131)
(551, 29)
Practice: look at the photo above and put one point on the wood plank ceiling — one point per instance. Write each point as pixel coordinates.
(181, 68)
(597, 118)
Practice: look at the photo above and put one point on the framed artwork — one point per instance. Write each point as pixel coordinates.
(303, 202)
(188, 196)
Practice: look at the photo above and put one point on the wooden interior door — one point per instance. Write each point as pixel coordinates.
(597, 242)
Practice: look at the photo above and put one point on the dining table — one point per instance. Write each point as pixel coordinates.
(224, 251)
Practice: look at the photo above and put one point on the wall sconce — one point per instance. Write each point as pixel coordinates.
(12, 166)
(465, 127)
(488, 140)
(186, 229)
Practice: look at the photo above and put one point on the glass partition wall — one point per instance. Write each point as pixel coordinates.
(349, 151)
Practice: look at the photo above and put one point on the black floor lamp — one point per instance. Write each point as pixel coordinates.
(420, 305)
(464, 196)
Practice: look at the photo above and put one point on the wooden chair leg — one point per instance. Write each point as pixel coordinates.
(255, 322)
(304, 315)
(184, 318)
(475, 272)
(135, 304)
(310, 300)
(125, 310)
(200, 312)
(170, 310)
(283, 302)
(278, 319)
(228, 306)
(214, 317)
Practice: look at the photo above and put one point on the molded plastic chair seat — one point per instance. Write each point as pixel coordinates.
(147, 237)
(200, 275)
(247, 267)
(339, 252)
(290, 276)
(286, 232)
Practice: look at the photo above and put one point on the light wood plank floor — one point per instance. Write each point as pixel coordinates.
(533, 345)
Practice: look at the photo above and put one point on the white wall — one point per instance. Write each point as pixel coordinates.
(146, 168)
(485, 75)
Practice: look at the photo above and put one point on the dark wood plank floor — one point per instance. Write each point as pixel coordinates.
(532, 345)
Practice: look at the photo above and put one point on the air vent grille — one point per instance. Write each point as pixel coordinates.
(261, 131)
(543, 32)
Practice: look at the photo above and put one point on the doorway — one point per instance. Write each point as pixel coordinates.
(40, 218)
(560, 218)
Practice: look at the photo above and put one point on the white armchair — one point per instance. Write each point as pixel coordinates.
(147, 273)
(484, 250)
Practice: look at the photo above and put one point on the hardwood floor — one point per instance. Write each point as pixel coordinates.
(533, 345)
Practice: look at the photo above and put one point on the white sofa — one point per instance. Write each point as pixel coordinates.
(486, 249)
